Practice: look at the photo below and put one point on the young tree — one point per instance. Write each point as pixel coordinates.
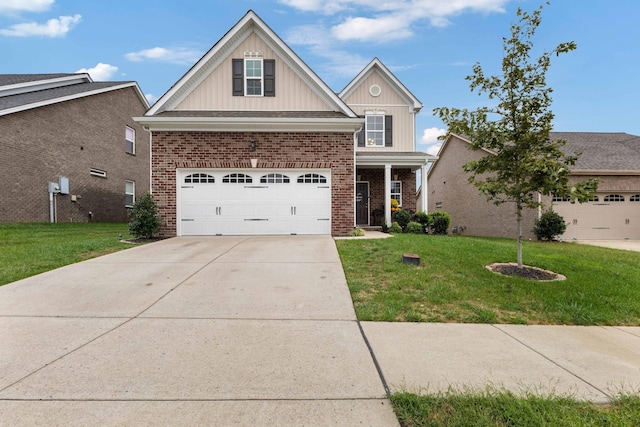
(525, 161)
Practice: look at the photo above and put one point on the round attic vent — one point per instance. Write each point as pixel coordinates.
(375, 90)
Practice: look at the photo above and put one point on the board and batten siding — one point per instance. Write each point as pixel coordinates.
(389, 101)
(215, 92)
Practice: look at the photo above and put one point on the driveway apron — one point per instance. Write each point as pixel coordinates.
(190, 331)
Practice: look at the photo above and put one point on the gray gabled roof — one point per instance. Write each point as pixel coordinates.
(19, 92)
(602, 151)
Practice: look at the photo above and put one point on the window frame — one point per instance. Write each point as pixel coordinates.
(130, 141)
(128, 194)
(378, 115)
(97, 172)
(248, 78)
(396, 193)
(614, 198)
(275, 178)
(237, 178)
(312, 178)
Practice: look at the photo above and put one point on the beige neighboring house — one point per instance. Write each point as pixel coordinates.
(614, 213)
(251, 141)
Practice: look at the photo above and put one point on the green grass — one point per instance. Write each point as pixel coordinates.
(29, 249)
(452, 284)
(502, 408)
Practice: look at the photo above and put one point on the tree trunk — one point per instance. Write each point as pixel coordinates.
(519, 222)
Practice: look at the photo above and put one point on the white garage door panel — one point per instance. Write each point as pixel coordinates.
(601, 220)
(216, 207)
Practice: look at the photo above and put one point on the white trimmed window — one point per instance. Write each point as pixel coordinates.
(374, 130)
(614, 198)
(130, 140)
(253, 76)
(129, 193)
(396, 191)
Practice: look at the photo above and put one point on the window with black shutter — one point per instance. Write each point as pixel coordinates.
(254, 76)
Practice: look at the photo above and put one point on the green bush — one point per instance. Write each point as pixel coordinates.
(422, 217)
(395, 228)
(144, 221)
(402, 217)
(440, 222)
(415, 228)
(549, 226)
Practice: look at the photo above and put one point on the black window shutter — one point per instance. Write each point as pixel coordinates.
(269, 77)
(238, 76)
(388, 131)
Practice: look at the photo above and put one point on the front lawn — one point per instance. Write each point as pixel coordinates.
(29, 249)
(452, 284)
(501, 408)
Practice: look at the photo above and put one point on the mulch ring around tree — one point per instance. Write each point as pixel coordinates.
(532, 273)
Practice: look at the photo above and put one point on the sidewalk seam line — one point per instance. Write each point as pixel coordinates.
(375, 360)
(553, 361)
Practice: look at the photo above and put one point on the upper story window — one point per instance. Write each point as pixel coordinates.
(130, 140)
(378, 130)
(614, 198)
(253, 75)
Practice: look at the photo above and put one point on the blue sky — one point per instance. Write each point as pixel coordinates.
(430, 45)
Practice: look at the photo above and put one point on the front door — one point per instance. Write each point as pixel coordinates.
(362, 203)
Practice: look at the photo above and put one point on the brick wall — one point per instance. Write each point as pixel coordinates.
(67, 139)
(228, 150)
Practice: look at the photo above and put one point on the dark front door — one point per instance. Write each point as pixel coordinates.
(362, 203)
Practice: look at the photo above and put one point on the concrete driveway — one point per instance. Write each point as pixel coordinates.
(190, 331)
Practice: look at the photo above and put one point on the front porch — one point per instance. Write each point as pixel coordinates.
(381, 177)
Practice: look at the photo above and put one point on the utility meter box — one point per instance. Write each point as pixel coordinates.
(63, 183)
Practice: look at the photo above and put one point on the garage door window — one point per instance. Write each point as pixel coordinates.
(237, 178)
(561, 199)
(312, 178)
(635, 198)
(201, 178)
(614, 198)
(274, 178)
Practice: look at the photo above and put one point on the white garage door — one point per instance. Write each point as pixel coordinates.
(610, 216)
(254, 201)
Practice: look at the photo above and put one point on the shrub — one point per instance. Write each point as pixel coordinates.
(356, 232)
(402, 217)
(440, 222)
(415, 228)
(549, 226)
(144, 221)
(423, 218)
(395, 228)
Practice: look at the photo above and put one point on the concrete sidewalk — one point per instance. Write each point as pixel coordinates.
(259, 331)
(190, 331)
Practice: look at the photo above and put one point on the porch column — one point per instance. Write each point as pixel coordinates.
(423, 185)
(387, 194)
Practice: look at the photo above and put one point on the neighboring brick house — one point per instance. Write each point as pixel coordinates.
(66, 125)
(251, 141)
(614, 213)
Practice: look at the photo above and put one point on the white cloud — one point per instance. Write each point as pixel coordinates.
(338, 62)
(161, 54)
(430, 139)
(150, 98)
(52, 28)
(101, 72)
(391, 20)
(15, 6)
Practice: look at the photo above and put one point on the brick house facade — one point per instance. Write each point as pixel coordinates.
(251, 112)
(60, 137)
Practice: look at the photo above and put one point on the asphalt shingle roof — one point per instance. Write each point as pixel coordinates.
(602, 150)
(28, 98)
(12, 79)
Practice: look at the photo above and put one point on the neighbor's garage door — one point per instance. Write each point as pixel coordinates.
(235, 202)
(610, 216)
